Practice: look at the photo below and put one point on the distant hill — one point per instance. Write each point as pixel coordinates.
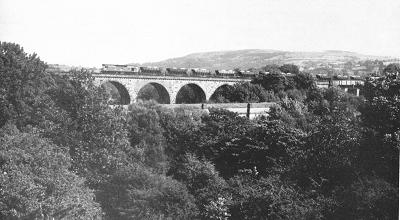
(331, 62)
(255, 58)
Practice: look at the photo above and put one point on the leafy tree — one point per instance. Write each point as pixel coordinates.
(295, 94)
(248, 92)
(382, 107)
(219, 128)
(136, 193)
(271, 69)
(289, 68)
(207, 187)
(294, 113)
(181, 130)
(23, 87)
(273, 81)
(304, 81)
(277, 82)
(328, 102)
(274, 147)
(234, 143)
(368, 198)
(270, 198)
(35, 180)
(329, 155)
(95, 134)
(242, 93)
(392, 68)
(380, 113)
(146, 136)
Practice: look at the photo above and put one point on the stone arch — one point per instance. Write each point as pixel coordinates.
(123, 97)
(190, 93)
(215, 93)
(154, 91)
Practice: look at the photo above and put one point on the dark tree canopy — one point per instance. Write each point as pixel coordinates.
(23, 86)
(274, 82)
(242, 93)
(289, 68)
(271, 68)
(36, 181)
(382, 107)
(392, 68)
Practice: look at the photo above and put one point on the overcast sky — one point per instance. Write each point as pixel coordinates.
(89, 33)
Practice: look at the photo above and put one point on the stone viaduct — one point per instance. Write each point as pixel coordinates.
(169, 87)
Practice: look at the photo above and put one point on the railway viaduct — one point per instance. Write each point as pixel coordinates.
(168, 87)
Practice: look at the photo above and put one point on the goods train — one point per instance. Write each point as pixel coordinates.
(325, 77)
(158, 71)
(197, 72)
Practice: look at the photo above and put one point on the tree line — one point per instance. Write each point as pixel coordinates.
(319, 154)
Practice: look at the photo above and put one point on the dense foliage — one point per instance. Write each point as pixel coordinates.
(65, 153)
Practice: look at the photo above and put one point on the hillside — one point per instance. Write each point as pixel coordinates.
(255, 58)
(329, 62)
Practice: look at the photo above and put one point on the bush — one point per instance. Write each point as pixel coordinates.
(368, 198)
(136, 193)
(270, 198)
(36, 182)
(207, 187)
